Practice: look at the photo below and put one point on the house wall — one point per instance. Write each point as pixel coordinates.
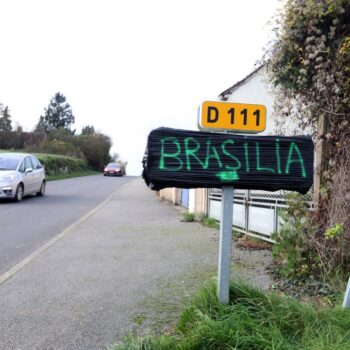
(198, 201)
(172, 195)
(255, 90)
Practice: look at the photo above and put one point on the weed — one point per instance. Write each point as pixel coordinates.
(139, 319)
(210, 222)
(252, 320)
(334, 231)
(188, 217)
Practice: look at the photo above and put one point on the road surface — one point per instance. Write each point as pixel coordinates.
(26, 226)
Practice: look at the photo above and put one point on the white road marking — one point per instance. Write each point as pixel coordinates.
(8, 274)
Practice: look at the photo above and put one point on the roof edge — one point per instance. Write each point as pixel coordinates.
(223, 96)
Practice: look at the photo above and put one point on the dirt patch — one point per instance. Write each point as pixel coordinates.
(250, 243)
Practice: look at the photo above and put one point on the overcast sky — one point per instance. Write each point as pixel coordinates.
(127, 67)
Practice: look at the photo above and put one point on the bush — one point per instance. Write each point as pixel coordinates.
(57, 165)
(95, 148)
(304, 248)
(291, 251)
(19, 140)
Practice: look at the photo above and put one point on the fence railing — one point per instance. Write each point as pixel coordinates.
(255, 213)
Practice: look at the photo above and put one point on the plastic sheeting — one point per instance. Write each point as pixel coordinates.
(192, 159)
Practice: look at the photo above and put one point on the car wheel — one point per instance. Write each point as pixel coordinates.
(42, 189)
(19, 193)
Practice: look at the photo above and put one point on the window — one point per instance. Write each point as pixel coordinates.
(27, 163)
(36, 163)
(9, 162)
(22, 167)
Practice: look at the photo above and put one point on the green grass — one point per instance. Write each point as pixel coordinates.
(210, 222)
(188, 217)
(202, 218)
(71, 175)
(252, 320)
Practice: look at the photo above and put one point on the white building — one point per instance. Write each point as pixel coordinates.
(253, 89)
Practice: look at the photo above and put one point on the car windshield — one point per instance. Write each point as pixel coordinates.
(113, 165)
(9, 162)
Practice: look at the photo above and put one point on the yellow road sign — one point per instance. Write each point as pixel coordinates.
(240, 117)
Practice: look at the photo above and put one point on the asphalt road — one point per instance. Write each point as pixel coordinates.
(26, 226)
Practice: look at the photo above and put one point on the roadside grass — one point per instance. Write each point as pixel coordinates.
(210, 222)
(201, 218)
(188, 217)
(63, 176)
(252, 320)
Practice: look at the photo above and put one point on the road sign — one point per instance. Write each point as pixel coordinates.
(240, 117)
(193, 159)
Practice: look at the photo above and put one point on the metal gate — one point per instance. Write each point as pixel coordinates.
(255, 213)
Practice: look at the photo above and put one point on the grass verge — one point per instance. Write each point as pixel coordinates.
(71, 175)
(203, 219)
(252, 320)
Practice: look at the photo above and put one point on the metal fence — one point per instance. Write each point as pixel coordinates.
(255, 213)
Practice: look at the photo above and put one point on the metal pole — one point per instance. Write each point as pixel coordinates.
(346, 302)
(225, 244)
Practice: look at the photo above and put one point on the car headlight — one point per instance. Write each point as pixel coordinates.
(7, 178)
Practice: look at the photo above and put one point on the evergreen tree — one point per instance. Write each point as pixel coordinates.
(88, 130)
(58, 115)
(5, 120)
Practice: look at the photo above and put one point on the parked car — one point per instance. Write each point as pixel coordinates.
(21, 175)
(113, 169)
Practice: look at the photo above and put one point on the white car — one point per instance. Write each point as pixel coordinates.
(21, 175)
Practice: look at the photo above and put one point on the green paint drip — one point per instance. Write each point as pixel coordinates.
(228, 175)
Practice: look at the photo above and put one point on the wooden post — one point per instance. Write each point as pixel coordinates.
(320, 155)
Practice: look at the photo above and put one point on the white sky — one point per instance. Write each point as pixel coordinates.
(127, 67)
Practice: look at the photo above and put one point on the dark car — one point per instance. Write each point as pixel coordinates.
(112, 169)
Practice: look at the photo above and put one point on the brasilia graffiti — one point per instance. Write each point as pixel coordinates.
(190, 159)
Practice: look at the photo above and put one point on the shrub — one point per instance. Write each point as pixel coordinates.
(291, 251)
(95, 148)
(304, 247)
(19, 140)
(56, 165)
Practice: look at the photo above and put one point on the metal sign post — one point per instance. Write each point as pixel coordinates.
(225, 247)
(346, 301)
